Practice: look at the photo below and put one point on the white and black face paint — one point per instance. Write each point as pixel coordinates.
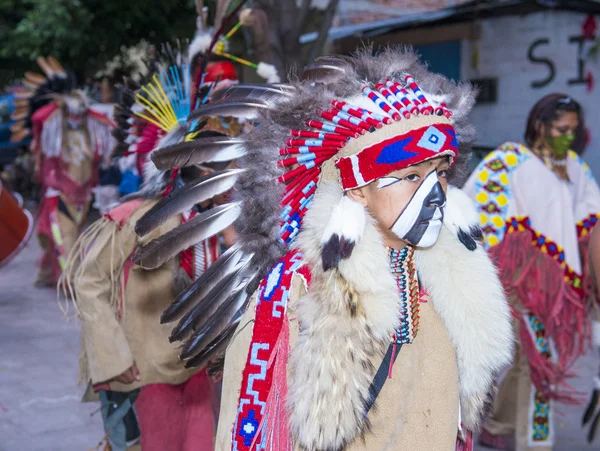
(420, 222)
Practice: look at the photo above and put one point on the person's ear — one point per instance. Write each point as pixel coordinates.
(358, 195)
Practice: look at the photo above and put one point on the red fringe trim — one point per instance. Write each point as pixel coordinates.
(535, 283)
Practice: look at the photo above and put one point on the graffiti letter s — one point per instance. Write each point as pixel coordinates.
(546, 61)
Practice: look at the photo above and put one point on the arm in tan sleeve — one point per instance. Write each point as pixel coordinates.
(97, 290)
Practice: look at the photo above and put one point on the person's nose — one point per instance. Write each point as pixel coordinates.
(436, 197)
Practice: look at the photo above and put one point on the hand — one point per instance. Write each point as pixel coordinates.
(128, 376)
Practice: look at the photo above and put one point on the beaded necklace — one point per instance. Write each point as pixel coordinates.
(402, 267)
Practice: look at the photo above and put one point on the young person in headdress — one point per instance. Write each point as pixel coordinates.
(358, 310)
(70, 141)
(537, 203)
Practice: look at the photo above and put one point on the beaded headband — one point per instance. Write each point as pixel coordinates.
(377, 140)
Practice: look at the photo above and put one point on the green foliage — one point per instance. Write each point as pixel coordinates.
(84, 34)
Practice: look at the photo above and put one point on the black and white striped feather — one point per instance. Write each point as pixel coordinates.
(216, 347)
(203, 150)
(217, 323)
(246, 109)
(159, 251)
(196, 318)
(240, 92)
(197, 290)
(185, 197)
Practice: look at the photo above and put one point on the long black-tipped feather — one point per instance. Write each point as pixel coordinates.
(218, 345)
(202, 285)
(238, 92)
(196, 318)
(244, 109)
(216, 324)
(185, 197)
(201, 227)
(199, 151)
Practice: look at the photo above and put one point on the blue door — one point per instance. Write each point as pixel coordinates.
(442, 57)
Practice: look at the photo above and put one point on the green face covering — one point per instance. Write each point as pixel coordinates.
(560, 145)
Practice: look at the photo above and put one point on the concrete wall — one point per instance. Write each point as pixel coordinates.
(503, 50)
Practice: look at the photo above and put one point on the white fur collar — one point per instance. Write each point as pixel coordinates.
(350, 312)
(468, 296)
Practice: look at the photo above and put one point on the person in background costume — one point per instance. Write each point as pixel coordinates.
(128, 361)
(591, 416)
(357, 309)
(70, 142)
(537, 203)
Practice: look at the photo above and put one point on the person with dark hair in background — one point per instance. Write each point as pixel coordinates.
(538, 203)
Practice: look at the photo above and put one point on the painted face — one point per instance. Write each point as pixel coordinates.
(420, 221)
(408, 204)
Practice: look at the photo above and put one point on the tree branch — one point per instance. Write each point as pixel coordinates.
(318, 46)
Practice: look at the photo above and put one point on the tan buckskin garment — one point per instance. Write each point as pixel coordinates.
(417, 408)
(112, 345)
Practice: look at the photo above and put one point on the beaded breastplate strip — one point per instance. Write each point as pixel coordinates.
(402, 267)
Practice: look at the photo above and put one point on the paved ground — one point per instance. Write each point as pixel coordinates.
(39, 397)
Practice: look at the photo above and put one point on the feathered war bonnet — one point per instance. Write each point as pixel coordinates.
(55, 85)
(348, 121)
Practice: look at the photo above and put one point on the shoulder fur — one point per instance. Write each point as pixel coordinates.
(468, 296)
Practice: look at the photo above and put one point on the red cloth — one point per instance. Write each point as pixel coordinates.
(177, 417)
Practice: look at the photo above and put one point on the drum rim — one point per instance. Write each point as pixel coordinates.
(23, 243)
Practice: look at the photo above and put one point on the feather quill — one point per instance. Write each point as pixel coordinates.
(244, 109)
(199, 151)
(218, 345)
(162, 249)
(185, 197)
(196, 318)
(193, 294)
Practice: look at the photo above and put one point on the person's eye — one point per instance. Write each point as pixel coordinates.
(413, 177)
(442, 173)
(384, 182)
